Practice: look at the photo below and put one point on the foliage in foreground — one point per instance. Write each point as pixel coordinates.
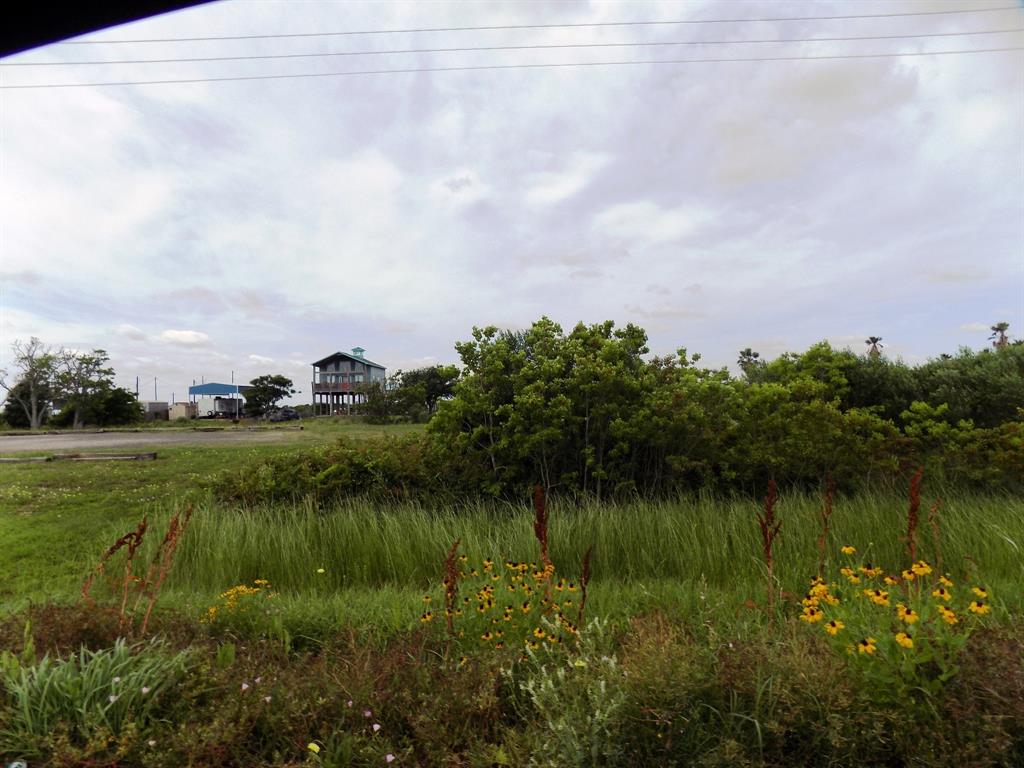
(653, 692)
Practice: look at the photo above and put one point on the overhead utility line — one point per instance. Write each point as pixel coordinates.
(553, 46)
(410, 70)
(539, 26)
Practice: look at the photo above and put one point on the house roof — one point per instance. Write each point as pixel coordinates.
(348, 356)
(213, 388)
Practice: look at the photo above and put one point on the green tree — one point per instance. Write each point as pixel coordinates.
(432, 384)
(36, 366)
(80, 379)
(14, 411)
(267, 391)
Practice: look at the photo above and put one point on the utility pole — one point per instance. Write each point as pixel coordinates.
(154, 388)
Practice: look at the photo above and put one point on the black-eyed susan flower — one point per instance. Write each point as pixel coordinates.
(921, 568)
(871, 571)
(905, 640)
(942, 594)
(487, 636)
(877, 596)
(890, 581)
(463, 558)
(811, 614)
(852, 577)
(907, 574)
(906, 615)
(945, 581)
(980, 592)
(463, 660)
(848, 550)
(427, 617)
(834, 627)
(868, 645)
(539, 633)
(948, 616)
(979, 608)
(426, 598)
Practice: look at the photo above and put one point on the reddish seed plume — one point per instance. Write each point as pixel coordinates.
(451, 584)
(769, 530)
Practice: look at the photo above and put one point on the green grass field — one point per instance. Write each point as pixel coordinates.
(679, 662)
(57, 517)
(680, 556)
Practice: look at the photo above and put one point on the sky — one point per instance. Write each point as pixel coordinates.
(204, 230)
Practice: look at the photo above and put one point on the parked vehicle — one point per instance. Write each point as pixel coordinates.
(284, 414)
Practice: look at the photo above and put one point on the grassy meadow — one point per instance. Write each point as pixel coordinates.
(326, 614)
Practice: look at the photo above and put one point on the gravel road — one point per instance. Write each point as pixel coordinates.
(74, 442)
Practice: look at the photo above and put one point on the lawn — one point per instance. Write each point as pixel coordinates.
(329, 644)
(57, 517)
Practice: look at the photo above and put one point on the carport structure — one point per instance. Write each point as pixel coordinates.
(215, 399)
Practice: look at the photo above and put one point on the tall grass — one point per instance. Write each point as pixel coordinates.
(697, 541)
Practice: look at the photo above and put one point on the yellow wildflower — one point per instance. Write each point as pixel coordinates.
(942, 593)
(908, 575)
(921, 568)
(979, 608)
(944, 581)
(848, 550)
(313, 747)
(834, 626)
(907, 615)
(877, 596)
(904, 639)
(811, 614)
(867, 646)
(980, 592)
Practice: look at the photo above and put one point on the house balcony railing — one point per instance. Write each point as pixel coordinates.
(336, 386)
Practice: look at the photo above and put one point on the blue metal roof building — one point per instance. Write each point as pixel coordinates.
(213, 389)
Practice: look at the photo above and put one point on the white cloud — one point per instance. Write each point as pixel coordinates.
(261, 359)
(976, 327)
(130, 332)
(185, 338)
(548, 188)
(645, 223)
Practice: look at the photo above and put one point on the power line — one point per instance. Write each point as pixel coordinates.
(535, 47)
(411, 70)
(537, 26)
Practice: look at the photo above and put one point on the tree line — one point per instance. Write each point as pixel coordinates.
(587, 412)
(590, 414)
(80, 383)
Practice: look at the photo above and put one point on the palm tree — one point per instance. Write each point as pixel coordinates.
(1000, 339)
(748, 361)
(875, 342)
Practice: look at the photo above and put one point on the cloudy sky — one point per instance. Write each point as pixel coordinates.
(195, 229)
